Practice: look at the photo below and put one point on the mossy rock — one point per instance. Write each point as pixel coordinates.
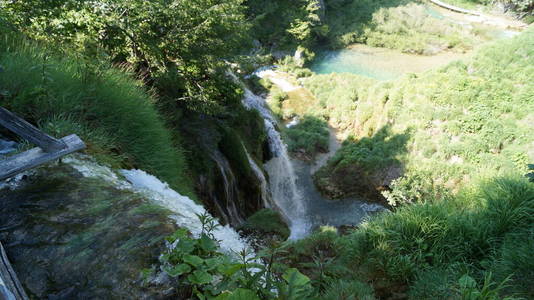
(266, 222)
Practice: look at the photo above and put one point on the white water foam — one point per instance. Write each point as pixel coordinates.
(282, 179)
(184, 209)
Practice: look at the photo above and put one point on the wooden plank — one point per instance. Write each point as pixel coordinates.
(10, 287)
(34, 157)
(27, 131)
(454, 8)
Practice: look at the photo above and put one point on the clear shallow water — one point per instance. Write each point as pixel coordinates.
(350, 61)
(378, 63)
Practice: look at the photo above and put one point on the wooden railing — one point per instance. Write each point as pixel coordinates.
(455, 8)
(49, 148)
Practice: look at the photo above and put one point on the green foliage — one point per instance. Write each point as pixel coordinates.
(115, 117)
(348, 290)
(412, 29)
(514, 260)
(432, 246)
(285, 23)
(408, 26)
(210, 274)
(276, 99)
(530, 174)
(415, 187)
(381, 150)
(156, 37)
(467, 121)
(309, 136)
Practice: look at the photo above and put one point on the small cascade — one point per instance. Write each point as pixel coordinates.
(228, 208)
(264, 186)
(184, 209)
(285, 193)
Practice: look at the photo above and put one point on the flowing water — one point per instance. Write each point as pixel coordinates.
(286, 197)
(293, 192)
(184, 210)
(228, 209)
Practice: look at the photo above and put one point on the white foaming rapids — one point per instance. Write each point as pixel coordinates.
(184, 209)
(275, 78)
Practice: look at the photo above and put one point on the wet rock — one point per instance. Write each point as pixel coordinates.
(337, 183)
(71, 237)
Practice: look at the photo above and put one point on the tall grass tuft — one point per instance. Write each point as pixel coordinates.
(105, 105)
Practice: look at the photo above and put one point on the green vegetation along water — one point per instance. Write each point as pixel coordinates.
(448, 147)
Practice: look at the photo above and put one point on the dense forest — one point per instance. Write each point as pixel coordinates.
(227, 114)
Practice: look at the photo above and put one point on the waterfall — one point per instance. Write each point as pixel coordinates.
(264, 186)
(282, 179)
(229, 210)
(184, 210)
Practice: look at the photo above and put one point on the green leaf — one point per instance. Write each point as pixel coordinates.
(207, 244)
(179, 234)
(178, 270)
(295, 277)
(467, 281)
(213, 263)
(230, 270)
(193, 260)
(185, 246)
(238, 294)
(200, 277)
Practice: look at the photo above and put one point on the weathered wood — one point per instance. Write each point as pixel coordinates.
(10, 287)
(34, 157)
(454, 8)
(27, 131)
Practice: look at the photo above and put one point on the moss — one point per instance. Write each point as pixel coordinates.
(266, 222)
(231, 146)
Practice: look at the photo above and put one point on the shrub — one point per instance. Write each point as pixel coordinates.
(310, 135)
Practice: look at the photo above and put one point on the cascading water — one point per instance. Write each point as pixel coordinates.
(229, 211)
(282, 179)
(184, 209)
(264, 186)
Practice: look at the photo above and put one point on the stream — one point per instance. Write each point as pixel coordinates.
(293, 191)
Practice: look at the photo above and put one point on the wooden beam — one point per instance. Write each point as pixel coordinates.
(10, 287)
(455, 8)
(27, 131)
(17, 163)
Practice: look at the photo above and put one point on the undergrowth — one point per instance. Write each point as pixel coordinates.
(112, 113)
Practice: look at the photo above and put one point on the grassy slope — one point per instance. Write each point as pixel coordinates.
(408, 26)
(105, 106)
(466, 121)
(470, 128)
